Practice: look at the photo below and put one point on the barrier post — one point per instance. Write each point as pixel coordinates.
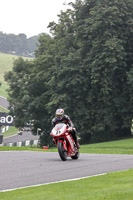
(132, 127)
(1, 138)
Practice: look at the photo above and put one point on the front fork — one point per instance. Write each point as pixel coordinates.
(64, 144)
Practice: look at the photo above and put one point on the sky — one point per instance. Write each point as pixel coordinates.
(30, 17)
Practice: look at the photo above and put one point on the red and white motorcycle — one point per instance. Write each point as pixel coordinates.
(64, 141)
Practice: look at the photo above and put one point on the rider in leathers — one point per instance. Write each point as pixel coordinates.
(62, 118)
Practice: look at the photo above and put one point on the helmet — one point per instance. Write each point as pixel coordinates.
(59, 114)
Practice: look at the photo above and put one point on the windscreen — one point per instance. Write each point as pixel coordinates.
(59, 126)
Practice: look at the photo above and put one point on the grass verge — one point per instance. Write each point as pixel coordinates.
(124, 146)
(3, 90)
(11, 131)
(2, 109)
(6, 148)
(112, 186)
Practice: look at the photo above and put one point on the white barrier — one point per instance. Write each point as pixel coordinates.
(27, 143)
(22, 143)
(4, 129)
(19, 144)
(10, 144)
(35, 142)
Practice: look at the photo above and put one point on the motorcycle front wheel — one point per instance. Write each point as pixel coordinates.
(62, 151)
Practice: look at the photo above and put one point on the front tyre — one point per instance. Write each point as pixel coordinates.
(62, 151)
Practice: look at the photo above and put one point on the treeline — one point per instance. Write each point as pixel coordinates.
(18, 44)
(86, 68)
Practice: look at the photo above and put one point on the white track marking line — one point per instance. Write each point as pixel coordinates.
(3, 97)
(75, 179)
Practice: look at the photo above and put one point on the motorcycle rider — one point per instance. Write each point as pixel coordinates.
(62, 118)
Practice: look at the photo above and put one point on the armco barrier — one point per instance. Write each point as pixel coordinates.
(22, 143)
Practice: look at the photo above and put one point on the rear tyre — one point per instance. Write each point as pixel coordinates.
(62, 152)
(76, 156)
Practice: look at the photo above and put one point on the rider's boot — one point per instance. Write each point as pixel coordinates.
(77, 145)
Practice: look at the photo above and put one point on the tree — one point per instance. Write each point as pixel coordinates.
(86, 67)
(19, 98)
(29, 92)
(105, 29)
(18, 44)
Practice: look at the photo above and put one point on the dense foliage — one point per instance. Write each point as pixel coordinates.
(86, 67)
(18, 44)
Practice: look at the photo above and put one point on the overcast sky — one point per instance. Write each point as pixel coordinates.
(30, 17)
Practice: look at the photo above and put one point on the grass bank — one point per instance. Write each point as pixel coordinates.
(11, 131)
(124, 146)
(112, 186)
(6, 64)
(3, 90)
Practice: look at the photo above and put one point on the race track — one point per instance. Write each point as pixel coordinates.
(3, 102)
(27, 168)
(18, 138)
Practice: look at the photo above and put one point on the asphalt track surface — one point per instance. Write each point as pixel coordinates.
(18, 138)
(25, 168)
(3, 102)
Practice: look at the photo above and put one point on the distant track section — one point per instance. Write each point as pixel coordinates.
(3, 102)
(18, 138)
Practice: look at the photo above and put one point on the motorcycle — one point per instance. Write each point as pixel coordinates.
(64, 141)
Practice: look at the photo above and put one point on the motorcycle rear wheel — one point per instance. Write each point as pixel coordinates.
(76, 156)
(62, 152)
